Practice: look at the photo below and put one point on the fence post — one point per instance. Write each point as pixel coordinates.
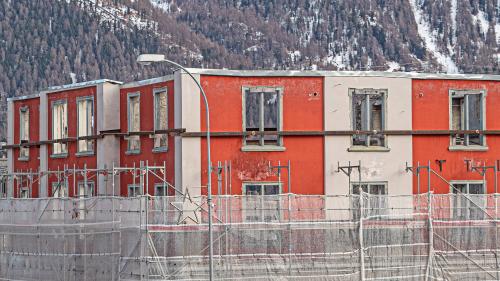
(429, 217)
(361, 243)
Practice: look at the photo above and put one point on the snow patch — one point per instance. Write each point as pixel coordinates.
(393, 66)
(453, 14)
(294, 55)
(73, 78)
(483, 22)
(424, 31)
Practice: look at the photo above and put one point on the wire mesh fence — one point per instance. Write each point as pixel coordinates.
(287, 237)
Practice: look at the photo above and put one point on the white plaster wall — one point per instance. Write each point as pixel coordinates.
(388, 166)
(187, 150)
(10, 141)
(108, 147)
(43, 119)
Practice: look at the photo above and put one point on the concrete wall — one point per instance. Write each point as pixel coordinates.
(187, 100)
(387, 166)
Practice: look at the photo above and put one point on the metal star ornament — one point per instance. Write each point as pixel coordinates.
(188, 210)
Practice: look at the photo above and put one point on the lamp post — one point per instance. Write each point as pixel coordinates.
(147, 59)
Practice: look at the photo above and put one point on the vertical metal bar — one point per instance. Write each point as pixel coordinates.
(428, 270)
(113, 179)
(289, 177)
(418, 184)
(289, 234)
(74, 181)
(361, 234)
(146, 172)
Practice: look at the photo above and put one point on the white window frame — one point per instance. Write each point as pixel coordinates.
(62, 188)
(157, 92)
(132, 138)
(23, 135)
(374, 206)
(92, 127)
(64, 133)
(368, 91)
(136, 192)
(467, 199)
(250, 200)
(458, 93)
(90, 186)
(262, 146)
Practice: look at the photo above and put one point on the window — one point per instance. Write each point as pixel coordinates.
(376, 203)
(24, 132)
(134, 119)
(368, 107)
(467, 114)
(259, 208)
(59, 189)
(133, 190)
(86, 190)
(262, 204)
(3, 187)
(262, 113)
(161, 190)
(468, 200)
(85, 108)
(24, 192)
(59, 127)
(160, 119)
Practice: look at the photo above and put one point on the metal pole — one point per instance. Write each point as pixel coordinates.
(418, 185)
(113, 178)
(361, 242)
(428, 271)
(289, 177)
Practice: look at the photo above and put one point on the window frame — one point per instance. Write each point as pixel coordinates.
(383, 206)
(82, 183)
(263, 147)
(454, 199)
(86, 152)
(65, 153)
(366, 148)
(162, 186)
(261, 196)
(135, 186)
(133, 151)
(63, 184)
(455, 93)
(24, 110)
(156, 92)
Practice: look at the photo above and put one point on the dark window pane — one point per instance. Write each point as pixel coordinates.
(252, 116)
(253, 190)
(359, 117)
(377, 189)
(271, 189)
(458, 187)
(271, 111)
(457, 110)
(476, 188)
(474, 118)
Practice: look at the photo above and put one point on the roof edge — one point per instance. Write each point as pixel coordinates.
(150, 81)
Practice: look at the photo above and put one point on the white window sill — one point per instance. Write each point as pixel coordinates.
(24, 159)
(160, 149)
(368, 149)
(59, 155)
(132, 152)
(262, 148)
(84, 153)
(467, 148)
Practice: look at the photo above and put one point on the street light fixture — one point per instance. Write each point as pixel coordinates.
(147, 59)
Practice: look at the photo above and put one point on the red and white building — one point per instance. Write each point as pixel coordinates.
(322, 121)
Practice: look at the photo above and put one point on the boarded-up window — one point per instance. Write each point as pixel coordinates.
(85, 109)
(134, 119)
(262, 114)
(467, 114)
(161, 119)
(59, 126)
(368, 107)
(24, 132)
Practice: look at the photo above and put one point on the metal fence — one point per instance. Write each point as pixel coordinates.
(285, 237)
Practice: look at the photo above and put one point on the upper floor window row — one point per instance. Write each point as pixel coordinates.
(160, 119)
(85, 126)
